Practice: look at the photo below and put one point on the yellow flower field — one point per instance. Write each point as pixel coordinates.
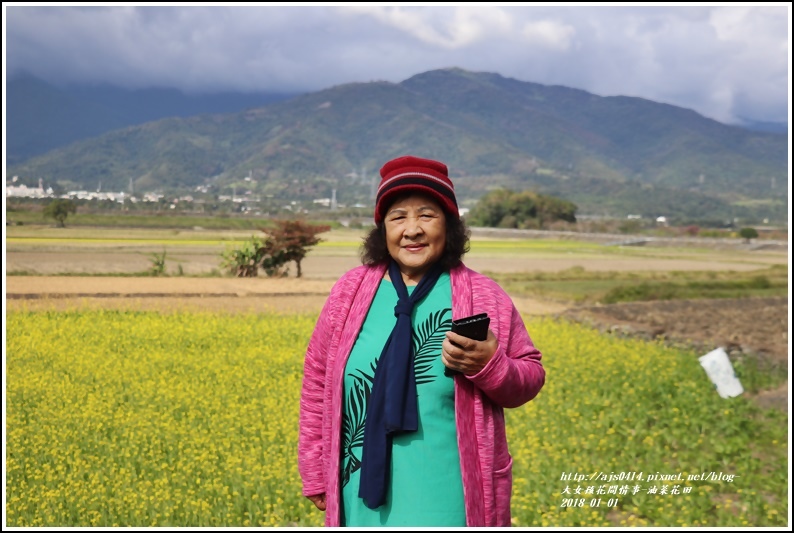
(190, 419)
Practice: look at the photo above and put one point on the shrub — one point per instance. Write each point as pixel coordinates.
(748, 233)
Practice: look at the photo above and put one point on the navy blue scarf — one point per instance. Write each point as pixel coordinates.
(392, 403)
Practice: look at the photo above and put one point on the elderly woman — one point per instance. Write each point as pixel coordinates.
(401, 420)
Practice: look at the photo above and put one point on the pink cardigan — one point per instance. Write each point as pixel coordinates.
(511, 378)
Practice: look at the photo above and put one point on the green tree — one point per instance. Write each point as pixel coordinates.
(748, 233)
(59, 209)
(524, 209)
(491, 208)
(551, 208)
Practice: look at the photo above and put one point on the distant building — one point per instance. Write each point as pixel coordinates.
(23, 191)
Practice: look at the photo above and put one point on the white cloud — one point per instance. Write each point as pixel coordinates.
(724, 62)
(549, 34)
(449, 28)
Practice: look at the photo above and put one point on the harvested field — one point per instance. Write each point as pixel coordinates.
(326, 266)
(173, 294)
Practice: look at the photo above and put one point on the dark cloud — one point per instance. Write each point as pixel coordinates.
(724, 62)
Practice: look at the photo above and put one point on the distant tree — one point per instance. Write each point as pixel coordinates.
(290, 240)
(491, 209)
(504, 208)
(59, 209)
(748, 233)
(692, 230)
(550, 209)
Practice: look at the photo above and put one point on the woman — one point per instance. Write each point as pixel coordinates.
(402, 420)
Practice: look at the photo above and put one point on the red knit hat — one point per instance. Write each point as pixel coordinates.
(409, 173)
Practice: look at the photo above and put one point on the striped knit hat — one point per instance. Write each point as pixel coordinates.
(409, 173)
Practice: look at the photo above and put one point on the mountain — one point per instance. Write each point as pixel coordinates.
(41, 117)
(618, 153)
(760, 125)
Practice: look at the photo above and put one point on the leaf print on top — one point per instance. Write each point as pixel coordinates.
(353, 421)
(427, 340)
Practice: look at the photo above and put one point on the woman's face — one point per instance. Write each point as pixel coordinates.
(416, 233)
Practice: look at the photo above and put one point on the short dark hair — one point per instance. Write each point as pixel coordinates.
(374, 249)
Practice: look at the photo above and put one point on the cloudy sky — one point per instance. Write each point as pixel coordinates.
(724, 62)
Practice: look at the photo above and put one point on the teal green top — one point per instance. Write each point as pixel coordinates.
(426, 488)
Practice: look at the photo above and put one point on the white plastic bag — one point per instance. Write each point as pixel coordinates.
(720, 371)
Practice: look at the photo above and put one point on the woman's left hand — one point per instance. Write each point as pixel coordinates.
(466, 355)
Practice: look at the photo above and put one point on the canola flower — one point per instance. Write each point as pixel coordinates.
(121, 418)
(612, 406)
(146, 419)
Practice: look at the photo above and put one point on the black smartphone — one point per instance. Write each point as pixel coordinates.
(473, 327)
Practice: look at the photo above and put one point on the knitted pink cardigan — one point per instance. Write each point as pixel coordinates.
(512, 377)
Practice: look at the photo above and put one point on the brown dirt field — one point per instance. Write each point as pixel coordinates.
(328, 266)
(167, 304)
(757, 325)
(173, 294)
(166, 294)
(166, 286)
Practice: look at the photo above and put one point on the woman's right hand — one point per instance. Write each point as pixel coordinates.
(318, 500)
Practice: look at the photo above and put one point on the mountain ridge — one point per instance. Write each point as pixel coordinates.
(490, 130)
(42, 117)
